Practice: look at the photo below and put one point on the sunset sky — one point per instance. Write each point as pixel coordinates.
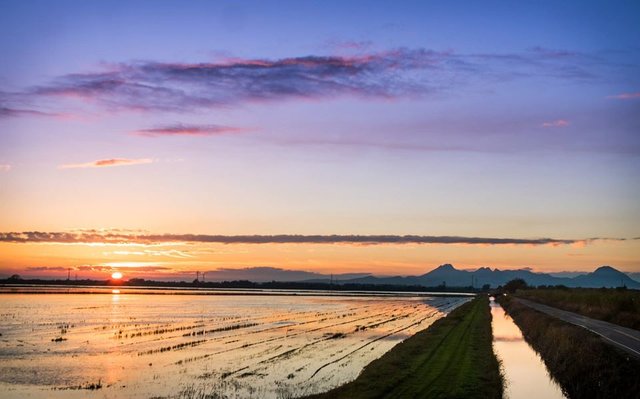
(146, 136)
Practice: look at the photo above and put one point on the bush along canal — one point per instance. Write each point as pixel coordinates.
(583, 364)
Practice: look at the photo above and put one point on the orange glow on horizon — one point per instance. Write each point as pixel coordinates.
(116, 275)
(33, 260)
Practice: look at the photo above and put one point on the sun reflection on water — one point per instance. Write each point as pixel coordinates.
(128, 344)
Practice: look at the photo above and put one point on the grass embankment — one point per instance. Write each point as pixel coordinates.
(584, 365)
(621, 307)
(453, 358)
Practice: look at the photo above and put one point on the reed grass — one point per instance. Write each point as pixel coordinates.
(614, 305)
(583, 364)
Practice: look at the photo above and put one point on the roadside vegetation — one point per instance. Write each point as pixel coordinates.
(453, 358)
(584, 365)
(614, 305)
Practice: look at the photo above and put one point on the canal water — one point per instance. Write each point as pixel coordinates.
(525, 374)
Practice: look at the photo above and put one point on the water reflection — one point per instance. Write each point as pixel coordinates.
(62, 289)
(61, 346)
(525, 373)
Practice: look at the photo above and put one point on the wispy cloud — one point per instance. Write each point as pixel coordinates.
(95, 268)
(143, 267)
(47, 268)
(556, 123)
(6, 112)
(171, 86)
(348, 45)
(5, 167)
(13, 105)
(188, 130)
(384, 74)
(104, 163)
(99, 236)
(387, 145)
(626, 96)
(171, 253)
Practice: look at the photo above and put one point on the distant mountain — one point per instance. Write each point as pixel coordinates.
(605, 276)
(264, 273)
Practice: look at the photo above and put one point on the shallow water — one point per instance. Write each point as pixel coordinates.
(526, 375)
(136, 345)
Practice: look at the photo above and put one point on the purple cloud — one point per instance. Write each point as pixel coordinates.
(188, 130)
(6, 112)
(13, 105)
(388, 74)
(170, 86)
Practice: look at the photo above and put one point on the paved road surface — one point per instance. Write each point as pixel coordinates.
(624, 338)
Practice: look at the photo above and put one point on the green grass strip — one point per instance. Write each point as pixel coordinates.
(453, 358)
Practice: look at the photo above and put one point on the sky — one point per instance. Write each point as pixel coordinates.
(167, 138)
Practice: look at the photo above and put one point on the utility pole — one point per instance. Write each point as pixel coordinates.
(68, 274)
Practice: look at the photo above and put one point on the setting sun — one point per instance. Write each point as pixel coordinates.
(116, 275)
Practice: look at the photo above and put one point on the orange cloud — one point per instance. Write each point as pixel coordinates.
(102, 163)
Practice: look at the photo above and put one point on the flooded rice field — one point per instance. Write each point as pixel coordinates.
(185, 346)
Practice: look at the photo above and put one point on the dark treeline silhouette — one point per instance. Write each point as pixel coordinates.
(287, 285)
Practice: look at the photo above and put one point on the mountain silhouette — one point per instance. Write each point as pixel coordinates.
(605, 276)
(447, 275)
